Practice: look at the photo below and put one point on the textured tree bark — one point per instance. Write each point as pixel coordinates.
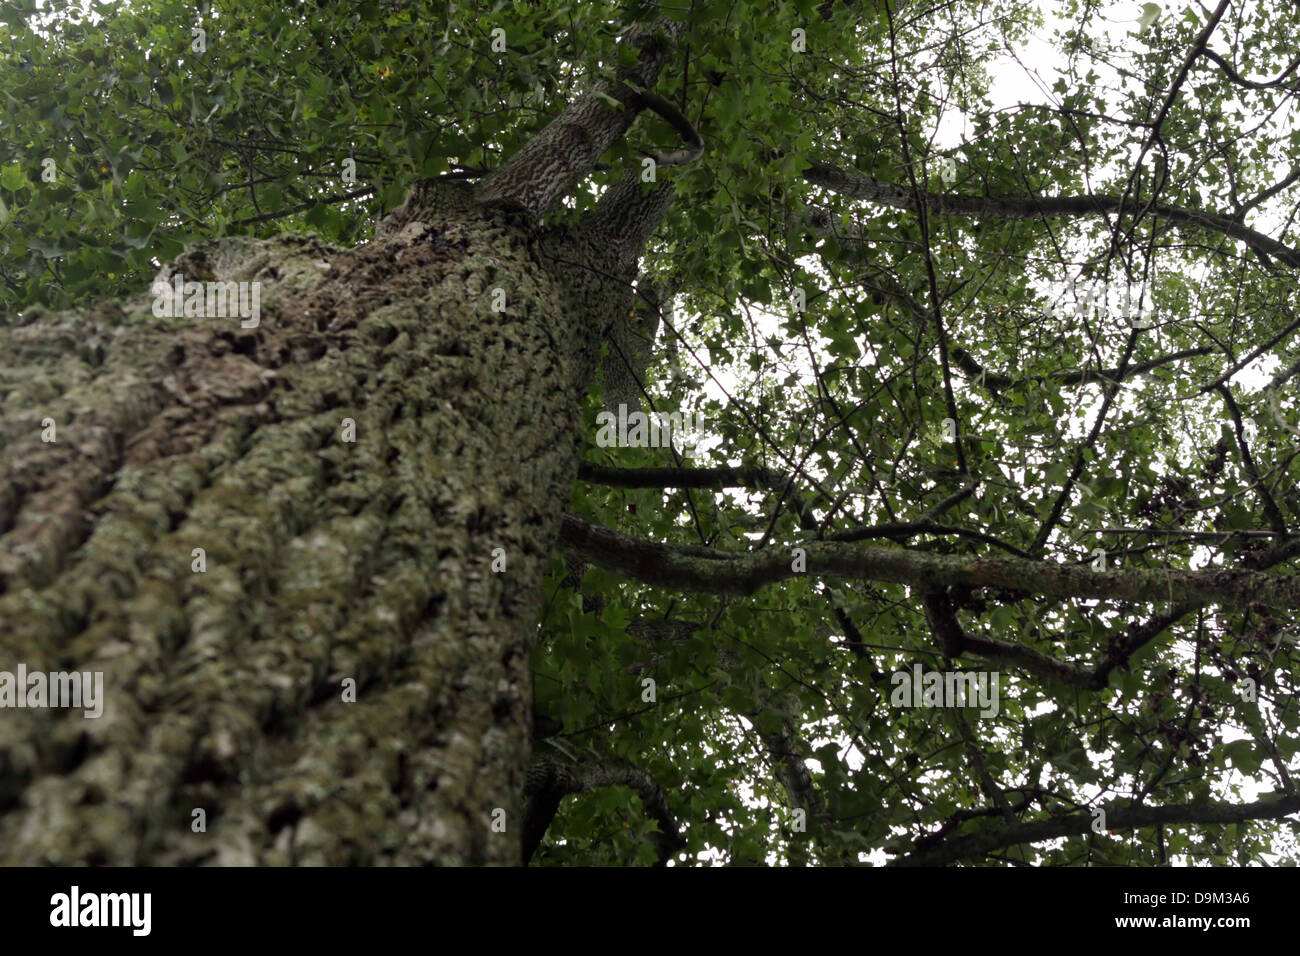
(325, 559)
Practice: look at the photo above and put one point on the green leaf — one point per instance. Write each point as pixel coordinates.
(12, 178)
(1244, 755)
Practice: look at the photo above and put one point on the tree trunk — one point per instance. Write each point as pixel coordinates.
(325, 559)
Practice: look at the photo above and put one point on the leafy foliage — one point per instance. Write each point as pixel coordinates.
(157, 145)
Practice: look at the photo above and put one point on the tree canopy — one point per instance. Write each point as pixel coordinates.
(989, 314)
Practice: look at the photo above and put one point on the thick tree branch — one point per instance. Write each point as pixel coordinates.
(551, 779)
(628, 213)
(720, 572)
(558, 157)
(849, 183)
(955, 849)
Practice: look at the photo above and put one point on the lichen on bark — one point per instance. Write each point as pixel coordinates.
(325, 560)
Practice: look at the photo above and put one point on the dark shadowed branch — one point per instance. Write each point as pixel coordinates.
(550, 779)
(955, 849)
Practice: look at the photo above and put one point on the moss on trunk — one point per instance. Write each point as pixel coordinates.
(326, 560)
